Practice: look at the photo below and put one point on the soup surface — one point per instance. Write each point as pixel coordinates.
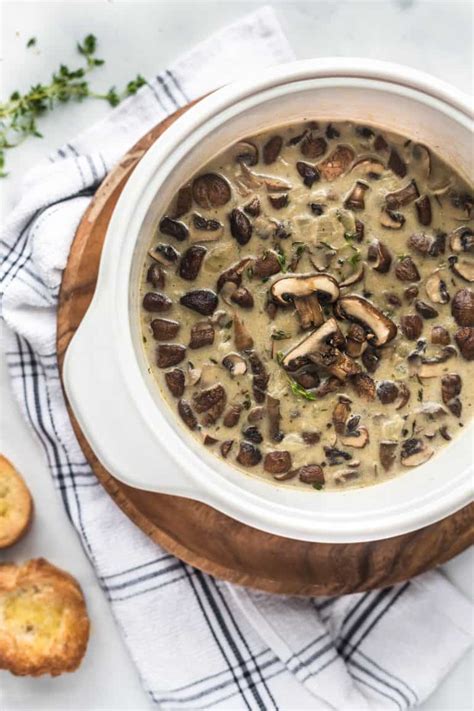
(307, 309)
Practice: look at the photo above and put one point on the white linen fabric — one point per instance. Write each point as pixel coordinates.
(198, 642)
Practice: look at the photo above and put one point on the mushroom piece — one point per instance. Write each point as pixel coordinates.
(308, 172)
(462, 240)
(271, 149)
(359, 438)
(340, 414)
(249, 455)
(364, 386)
(404, 395)
(440, 336)
(311, 474)
(356, 308)
(240, 226)
(423, 210)
(422, 156)
(252, 208)
(463, 268)
(242, 297)
(402, 197)
(164, 254)
(451, 386)
(260, 377)
(337, 163)
(266, 265)
(286, 289)
(356, 340)
(245, 152)
(397, 164)
(184, 201)
(175, 381)
(414, 452)
(191, 262)
(431, 245)
(235, 364)
(204, 301)
(173, 228)
(278, 202)
(436, 289)
(371, 168)
(355, 200)
(462, 307)
(277, 462)
(202, 334)
(379, 256)
(156, 302)
(234, 273)
(156, 276)
(411, 326)
(464, 338)
(355, 277)
(309, 311)
(406, 270)
(435, 367)
(242, 338)
(392, 220)
(211, 190)
(187, 415)
(202, 230)
(387, 392)
(164, 329)
(425, 309)
(387, 456)
(232, 415)
(274, 418)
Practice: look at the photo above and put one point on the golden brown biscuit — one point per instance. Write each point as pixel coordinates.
(16, 506)
(44, 627)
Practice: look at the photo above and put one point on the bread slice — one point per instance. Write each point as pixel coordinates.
(44, 627)
(16, 506)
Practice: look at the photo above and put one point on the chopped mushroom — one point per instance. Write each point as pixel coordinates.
(462, 307)
(242, 338)
(463, 268)
(175, 229)
(372, 168)
(191, 261)
(397, 164)
(232, 415)
(211, 190)
(392, 220)
(358, 309)
(203, 230)
(156, 302)
(286, 289)
(436, 289)
(406, 270)
(356, 340)
(240, 226)
(462, 240)
(414, 452)
(379, 256)
(340, 414)
(235, 364)
(309, 311)
(359, 438)
(423, 210)
(404, 395)
(337, 163)
(402, 197)
(245, 152)
(204, 301)
(387, 454)
(202, 334)
(274, 418)
(464, 338)
(355, 200)
(425, 309)
(249, 455)
(168, 354)
(411, 326)
(187, 415)
(277, 462)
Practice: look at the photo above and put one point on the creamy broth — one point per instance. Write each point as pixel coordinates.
(307, 309)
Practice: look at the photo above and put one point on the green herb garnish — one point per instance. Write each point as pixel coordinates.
(282, 260)
(300, 391)
(19, 114)
(355, 259)
(317, 486)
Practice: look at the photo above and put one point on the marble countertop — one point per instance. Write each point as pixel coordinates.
(141, 37)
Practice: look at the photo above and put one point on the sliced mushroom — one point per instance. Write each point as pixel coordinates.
(464, 338)
(202, 334)
(397, 164)
(235, 364)
(271, 149)
(340, 414)
(462, 307)
(274, 418)
(184, 201)
(211, 402)
(266, 265)
(191, 262)
(371, 358)
(277, 462)
(260, 377)
(187, 415)
(356, 276)
(392, 220)
(255, 414)
(156, 302)
(404, 395)
(406, 270)
(309, 311)
(423, 210)
(425, 309)
(356, 340)
(410, 293)
(225, 447)
(240, 226)
(402, 197)
(436, 289)
(364, 386)
(451, 386)
(379, 256)
(232, 415)
(278, 202)
(234, 273)
(462, 267)
(242, 338)
(164, 254)
(311, 474)
(431, 245)
(371, 168)
(164, 329)
(440, 336)
(204, 301)
(356, 200)
(359, 438)
(308, 172)
(211, 190)
(252, 434)
(249, 455)
(436, 366)
(245, 152)
(203, 230)
(175, 229)
(175, 381)
(313, 146)
(337, 163)
(411, 326)
(356, 308)
(334, 361)
(286, 289)
(387, 454)
(242, 297)
(156, 276)
(298, 354)
(253, 207)
(414, 452)
(462, 240)
(387, 392)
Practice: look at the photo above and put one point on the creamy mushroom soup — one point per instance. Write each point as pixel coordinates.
(307, 309)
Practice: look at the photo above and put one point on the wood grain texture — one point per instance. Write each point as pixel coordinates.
(200, 535)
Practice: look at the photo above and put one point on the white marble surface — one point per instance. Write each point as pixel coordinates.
(435, 36)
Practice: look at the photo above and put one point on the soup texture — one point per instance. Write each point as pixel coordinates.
(306, 305)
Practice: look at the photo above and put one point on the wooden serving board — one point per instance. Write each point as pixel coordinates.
(200, 535)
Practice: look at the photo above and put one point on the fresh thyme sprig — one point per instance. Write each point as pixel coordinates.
(19, 114)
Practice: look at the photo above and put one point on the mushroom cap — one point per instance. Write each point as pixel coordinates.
(356, 308)
(284, 290)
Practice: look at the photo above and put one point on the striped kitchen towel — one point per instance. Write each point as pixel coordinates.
(198, 642)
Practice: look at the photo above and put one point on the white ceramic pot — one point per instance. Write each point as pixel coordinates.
(116, 401)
